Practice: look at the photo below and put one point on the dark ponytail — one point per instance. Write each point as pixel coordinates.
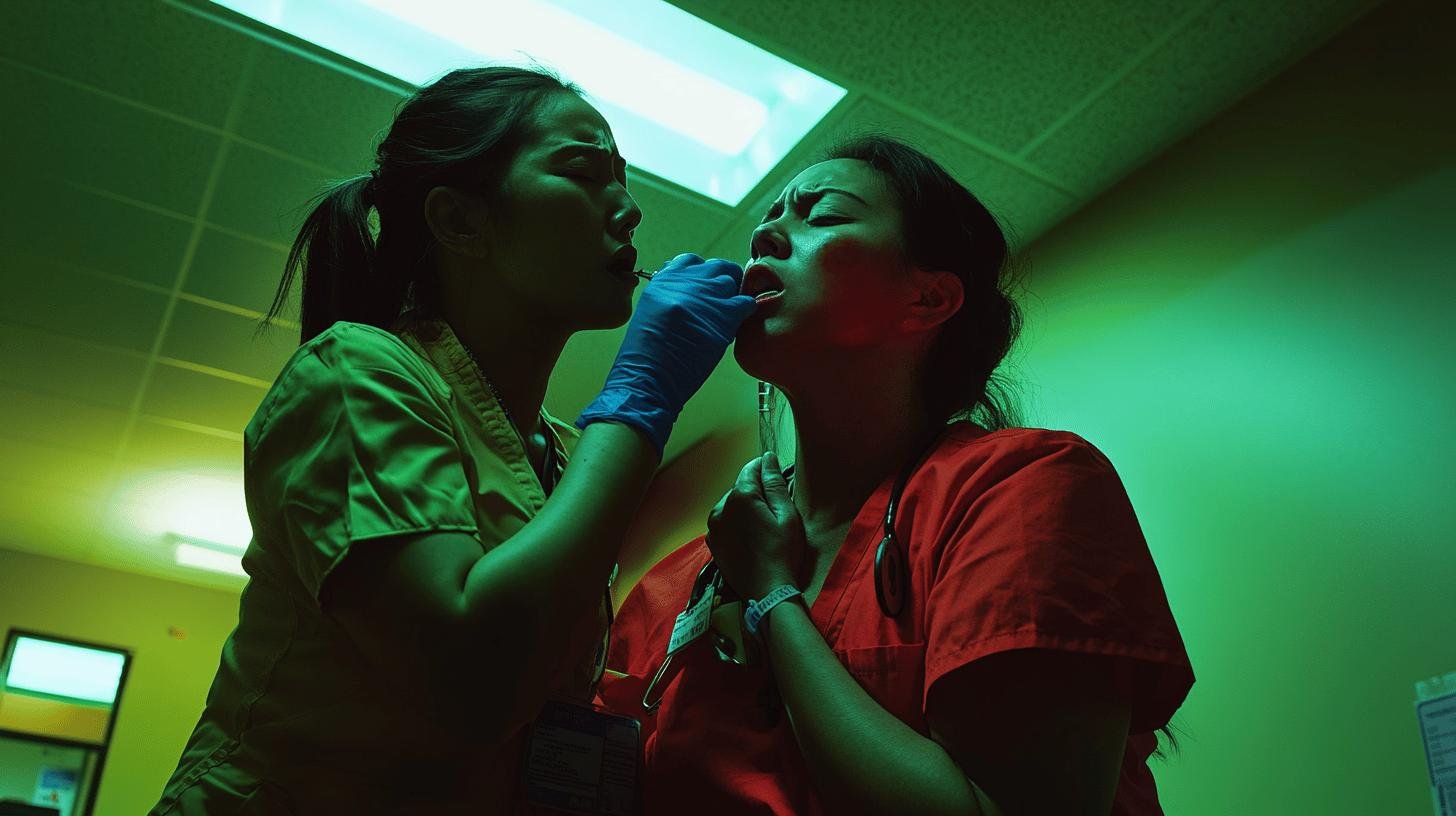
(462, 130)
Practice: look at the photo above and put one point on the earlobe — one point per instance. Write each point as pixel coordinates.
(455, 220)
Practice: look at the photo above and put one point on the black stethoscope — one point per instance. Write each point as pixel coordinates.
(892, 573)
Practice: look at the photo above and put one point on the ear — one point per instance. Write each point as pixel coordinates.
(457, 220)
(937, 296)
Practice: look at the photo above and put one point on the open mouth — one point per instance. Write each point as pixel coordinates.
(760, 282)
(623, 264)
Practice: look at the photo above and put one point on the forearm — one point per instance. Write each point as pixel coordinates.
(863, 759)
(547, 577)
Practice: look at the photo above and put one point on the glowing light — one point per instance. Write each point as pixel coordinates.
(687, 101)
(202, 504)
(65, 670)
(208, 558)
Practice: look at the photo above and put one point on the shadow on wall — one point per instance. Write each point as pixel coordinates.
(676, 507)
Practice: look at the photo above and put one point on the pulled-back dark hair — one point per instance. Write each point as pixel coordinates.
(945, 227)
(462, 130)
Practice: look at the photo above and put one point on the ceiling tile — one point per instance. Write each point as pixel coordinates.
(87, 139)
(111, 237)
(164, 57)
(315, 111)
(201, 334)
(200, 399)
(1218, 58)
(157, 447)
(37, 464)
(1025, 205)
(53, 364)
(263, 195)
(235, 270)
(80, 305)
(68, 423)
(998, 70)
(61, 523)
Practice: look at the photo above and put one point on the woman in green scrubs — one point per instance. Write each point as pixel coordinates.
(425, 571)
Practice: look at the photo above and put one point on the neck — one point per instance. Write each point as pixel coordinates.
(853, 433)
(518, 355)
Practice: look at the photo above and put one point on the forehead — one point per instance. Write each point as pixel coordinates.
(565, 118)
(849, 174)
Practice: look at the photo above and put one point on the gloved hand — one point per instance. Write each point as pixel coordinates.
(686, 317)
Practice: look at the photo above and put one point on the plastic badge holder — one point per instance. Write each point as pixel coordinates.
(1436, 712)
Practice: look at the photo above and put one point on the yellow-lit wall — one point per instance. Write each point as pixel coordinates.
(169, 677)
(1257, 327)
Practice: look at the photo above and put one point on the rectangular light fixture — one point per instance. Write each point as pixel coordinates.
(65, 670)
(207, 555)
(688, 102)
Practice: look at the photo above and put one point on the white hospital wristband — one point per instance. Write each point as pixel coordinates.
(757, 609)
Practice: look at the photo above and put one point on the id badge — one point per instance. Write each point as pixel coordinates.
(581, 760)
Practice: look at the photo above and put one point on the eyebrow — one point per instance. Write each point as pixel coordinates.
(618, 162)
(794, 195)
(840, 190)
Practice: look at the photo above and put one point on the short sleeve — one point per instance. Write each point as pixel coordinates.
(354, 442)
(1043, 550)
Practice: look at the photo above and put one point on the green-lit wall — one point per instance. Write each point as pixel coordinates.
(169, 676)
(1257, 327)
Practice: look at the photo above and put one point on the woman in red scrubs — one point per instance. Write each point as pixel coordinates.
(1009, 649)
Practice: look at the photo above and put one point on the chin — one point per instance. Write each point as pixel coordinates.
(607, 313)
(754, 352)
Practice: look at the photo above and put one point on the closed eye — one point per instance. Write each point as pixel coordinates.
(586, 174)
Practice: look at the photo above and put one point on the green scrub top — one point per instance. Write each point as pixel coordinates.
(365, 434)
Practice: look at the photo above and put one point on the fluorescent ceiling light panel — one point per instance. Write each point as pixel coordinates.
(688, 102)
(65, 670)
(201, 504)
(210, 559)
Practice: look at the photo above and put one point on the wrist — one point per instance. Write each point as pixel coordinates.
(762, 586)
(633, 407)
(779, 611)
(760, 608)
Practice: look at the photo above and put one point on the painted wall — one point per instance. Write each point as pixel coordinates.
(169, 677)
(1256, 327)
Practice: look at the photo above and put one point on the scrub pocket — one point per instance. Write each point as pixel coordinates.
(894, 676)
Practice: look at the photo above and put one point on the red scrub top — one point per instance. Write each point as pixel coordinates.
(1017, 539)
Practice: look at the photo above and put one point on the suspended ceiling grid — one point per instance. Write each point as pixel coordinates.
(156, 164)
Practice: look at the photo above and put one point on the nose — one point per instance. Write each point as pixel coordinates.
(626, 219)
(767, 240)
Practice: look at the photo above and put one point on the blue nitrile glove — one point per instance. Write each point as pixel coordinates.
(686, 317)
